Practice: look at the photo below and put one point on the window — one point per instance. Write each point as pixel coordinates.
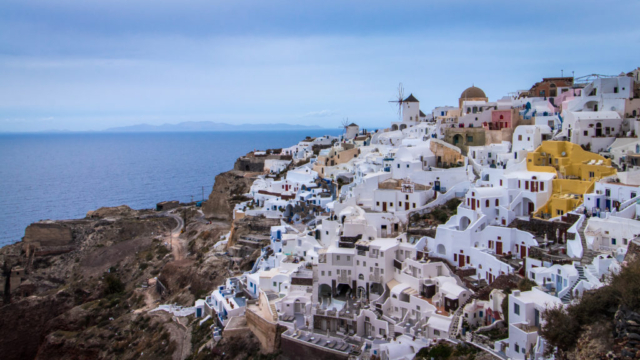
(613, 241)
(357, 262)
(338, 257)
(541, 186)
(436, 332)
(517, 348)
(526, 185)
(329, 273)
(615, 90)
(398, 166)
(486, 203)
(322, 272)
(348, 258)
(607, 192)
(274, 284)
(414, 205)
(586, 133)
(469, 138)
(406, 197)
(497, 202)
(592, 174)
(516, 309)
(377, 203)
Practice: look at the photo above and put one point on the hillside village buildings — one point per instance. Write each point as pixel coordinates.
(547, 191)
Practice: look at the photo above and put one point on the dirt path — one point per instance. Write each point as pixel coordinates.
(178, 333)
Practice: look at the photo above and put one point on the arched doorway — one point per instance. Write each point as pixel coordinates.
(394, 127)
(457, 139)
(324, 291)
(441, 250)
(464, 223)
(376, 288)
(598, 129)
(528, 207)
(343, 292)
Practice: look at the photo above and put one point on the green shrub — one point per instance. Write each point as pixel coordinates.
(113, 284)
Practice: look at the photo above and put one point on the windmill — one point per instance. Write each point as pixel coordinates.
(400, 100)
(344, 125)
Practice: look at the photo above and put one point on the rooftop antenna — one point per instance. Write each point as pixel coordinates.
(399, 100)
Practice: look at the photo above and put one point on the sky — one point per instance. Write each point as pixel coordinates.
(93, 65)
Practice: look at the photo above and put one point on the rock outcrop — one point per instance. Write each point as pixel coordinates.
(228, 190)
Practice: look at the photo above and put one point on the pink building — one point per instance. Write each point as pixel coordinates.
(500, 119)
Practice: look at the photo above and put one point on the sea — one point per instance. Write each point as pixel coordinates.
(63, 176)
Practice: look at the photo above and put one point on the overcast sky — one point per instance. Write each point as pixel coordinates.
(91, 65)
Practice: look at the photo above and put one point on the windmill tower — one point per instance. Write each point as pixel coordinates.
(351, 130)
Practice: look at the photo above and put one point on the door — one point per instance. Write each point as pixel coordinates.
(383, 231)
(608, 204)
(384, 206)
(473, 204)
(461, 260)
(297, 308)
(531, 208)
(499, 247)
(598, 203)
(406, 206)
(523, 252)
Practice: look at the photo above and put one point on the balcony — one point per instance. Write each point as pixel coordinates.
(375, 278)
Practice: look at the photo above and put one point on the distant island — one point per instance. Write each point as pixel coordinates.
(189, 126)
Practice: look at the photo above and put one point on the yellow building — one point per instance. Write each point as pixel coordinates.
(577, 171)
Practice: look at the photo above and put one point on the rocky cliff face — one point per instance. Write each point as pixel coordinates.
(93, 302)
(228, 190)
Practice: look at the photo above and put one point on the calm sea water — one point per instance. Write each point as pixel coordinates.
(62, 176)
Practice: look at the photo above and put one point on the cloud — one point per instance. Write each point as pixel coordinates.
(321, 113)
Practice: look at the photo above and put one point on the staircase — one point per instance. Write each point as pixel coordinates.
(587, 254)
(274, 313)
(567, 297)
(457, 315)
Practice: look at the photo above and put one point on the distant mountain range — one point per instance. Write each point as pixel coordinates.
(192, 126)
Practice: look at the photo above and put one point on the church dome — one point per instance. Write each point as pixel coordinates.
(472, 92)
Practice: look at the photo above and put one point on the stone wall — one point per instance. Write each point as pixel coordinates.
(540, 227)
(47, 234)
(268, 333)
(460, 137)
(250, 164)
(627, 334)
